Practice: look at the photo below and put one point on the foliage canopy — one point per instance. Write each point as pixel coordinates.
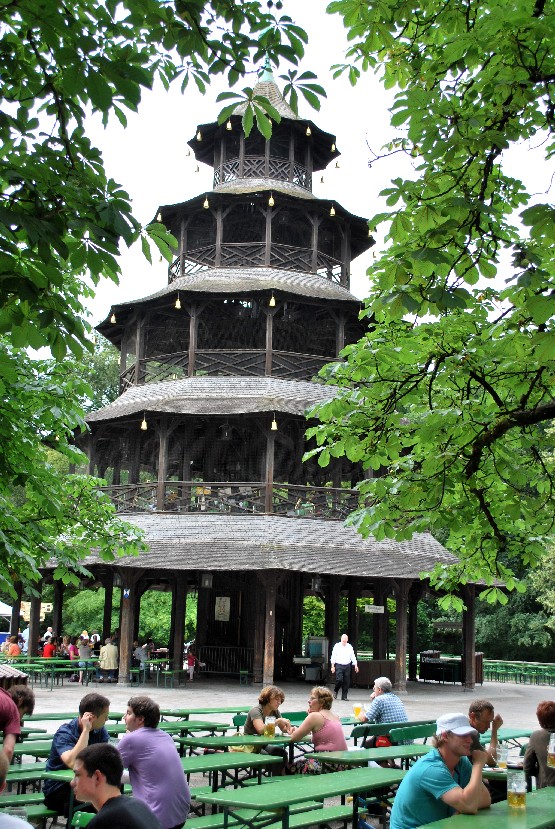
(449, 389)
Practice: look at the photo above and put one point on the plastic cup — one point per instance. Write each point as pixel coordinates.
(502, 757)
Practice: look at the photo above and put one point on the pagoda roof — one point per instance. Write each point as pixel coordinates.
(270, 542)
(216, 396)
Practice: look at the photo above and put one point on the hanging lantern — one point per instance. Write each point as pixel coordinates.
(322, 180)
(197, 169)
(205, 203)
(144, 425)
(178, 303)
(332, 210)
(271, 201)
(274, 426)
(333, 148)
(159, 217)
(188, 153)
(272, 302)
(113, 319)
(228, 125)
(308, 130)
(337, 165)
(199, 136)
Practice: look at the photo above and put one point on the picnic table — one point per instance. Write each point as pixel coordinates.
(364, 755)
(226, 741)
(32, 748)
(282, 794)
(227, 767)
(508, 735)
(65, 716)
(539, 813)
(185, 713)
(180, 728)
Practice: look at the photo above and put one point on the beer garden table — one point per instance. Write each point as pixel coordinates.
(179, 727)
(364, 755)
(281, 794)
(185, 713)
(539, 813)
(225, 742)
(508, 735)
(32, 748)
(227, 766)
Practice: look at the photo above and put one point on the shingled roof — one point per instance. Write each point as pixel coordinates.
(271, 542)
(217, 395)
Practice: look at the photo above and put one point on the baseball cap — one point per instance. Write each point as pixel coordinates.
(456, 723)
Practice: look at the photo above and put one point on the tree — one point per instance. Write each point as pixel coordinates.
(450, 387)
(62, 220)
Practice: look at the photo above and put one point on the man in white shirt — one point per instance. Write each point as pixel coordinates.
(342, 658)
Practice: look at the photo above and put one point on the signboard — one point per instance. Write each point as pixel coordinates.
(222, 609)
(374, 608)
(45, 607)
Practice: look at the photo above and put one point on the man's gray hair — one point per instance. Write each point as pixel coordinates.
(384, 683)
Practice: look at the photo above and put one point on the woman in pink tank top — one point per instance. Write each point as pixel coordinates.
(326, 728)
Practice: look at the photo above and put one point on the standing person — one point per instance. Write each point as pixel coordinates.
(444, 781)
(155, 770)
(384, 706)
(69, 740)
(326, 729)
(14, 704)
(98, 771)
(192, 662)
(535, 757)
(342, 658)
(108, 662)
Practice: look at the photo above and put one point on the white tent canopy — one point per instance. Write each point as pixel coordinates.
(5, 610)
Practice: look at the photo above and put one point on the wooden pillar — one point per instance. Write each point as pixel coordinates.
(340, 333)
(129, 582)
(205, 609)
(193, 311)
(16, 609)
(108, 582)
(352, 613)
(179, 607)
(415, 594)
(468, 592)
(331, 624)
(59, 589)
(401, 588)
(139, 349)
(34, 622)
(259, 611)
(162, 464)
(270, 579)
(269, 471)
(269, 341)
(380, 621)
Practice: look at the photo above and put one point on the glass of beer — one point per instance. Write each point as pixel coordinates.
(551, 752)
(270, 727)
(357, 708)
(502, 755)
(516, 790)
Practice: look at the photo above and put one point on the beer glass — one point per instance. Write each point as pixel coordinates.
(357, 708)
(502, 755)
(270, 727)
(551, 752)
(516, 789)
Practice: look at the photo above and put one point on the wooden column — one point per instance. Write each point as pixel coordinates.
(268, 213)
(34, 622)
(352, 613)
(469, 637)
(259, 630)
(59, 588)
(129, 582)
(269, 341)
(162, 464)
(139, 349)
(331, 623)
(179, 608)
(16, 610)
(270, 580)
(401, 589)
(340, 334)
(380, 621)
(193, 311)
(415, 594)
(108, 582)
(205, 608)
(269, 471)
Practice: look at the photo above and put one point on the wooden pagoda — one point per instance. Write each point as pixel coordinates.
(203, 448)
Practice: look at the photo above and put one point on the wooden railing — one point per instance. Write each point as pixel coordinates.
(259, 167)
(225, 363)
(237, 498)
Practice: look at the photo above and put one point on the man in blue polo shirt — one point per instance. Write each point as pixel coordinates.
(71, 738)
(444, 781)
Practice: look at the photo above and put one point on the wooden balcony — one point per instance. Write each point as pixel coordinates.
(238, 498)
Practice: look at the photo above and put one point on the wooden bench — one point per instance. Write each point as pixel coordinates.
(299, 819)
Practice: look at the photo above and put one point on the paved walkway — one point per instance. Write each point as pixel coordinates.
(516, 703)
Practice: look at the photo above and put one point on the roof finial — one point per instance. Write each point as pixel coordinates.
(266, 74)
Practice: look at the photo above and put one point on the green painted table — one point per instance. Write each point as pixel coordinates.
(224, 742)
(364, 755)
(181, 728)
(185, 713)
(64, 716)
(508, 735)
(280, 795)
(32, 748)
(538, 814)
(226, 767)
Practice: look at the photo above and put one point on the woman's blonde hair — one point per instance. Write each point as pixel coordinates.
(323, 696)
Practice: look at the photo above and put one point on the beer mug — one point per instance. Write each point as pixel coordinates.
(270, 727)
(516, 789)
(502, 756)
(551, 752)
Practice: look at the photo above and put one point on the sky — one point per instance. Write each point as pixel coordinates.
(149, 158)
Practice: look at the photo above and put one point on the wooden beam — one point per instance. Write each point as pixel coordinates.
(34, 622)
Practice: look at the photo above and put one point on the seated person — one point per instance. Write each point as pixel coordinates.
(325, 727)
(15, 702)
(269, 701)
(444, 781)
(9, 821)
(384, 705)
(98, 771)
(535, 757)
(69, 740)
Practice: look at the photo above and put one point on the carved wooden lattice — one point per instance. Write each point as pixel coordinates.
(241, 254)
(254, 167)
(288, 366)
(252, 254)
(127, 378)
(229, 363)
(285, 256)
